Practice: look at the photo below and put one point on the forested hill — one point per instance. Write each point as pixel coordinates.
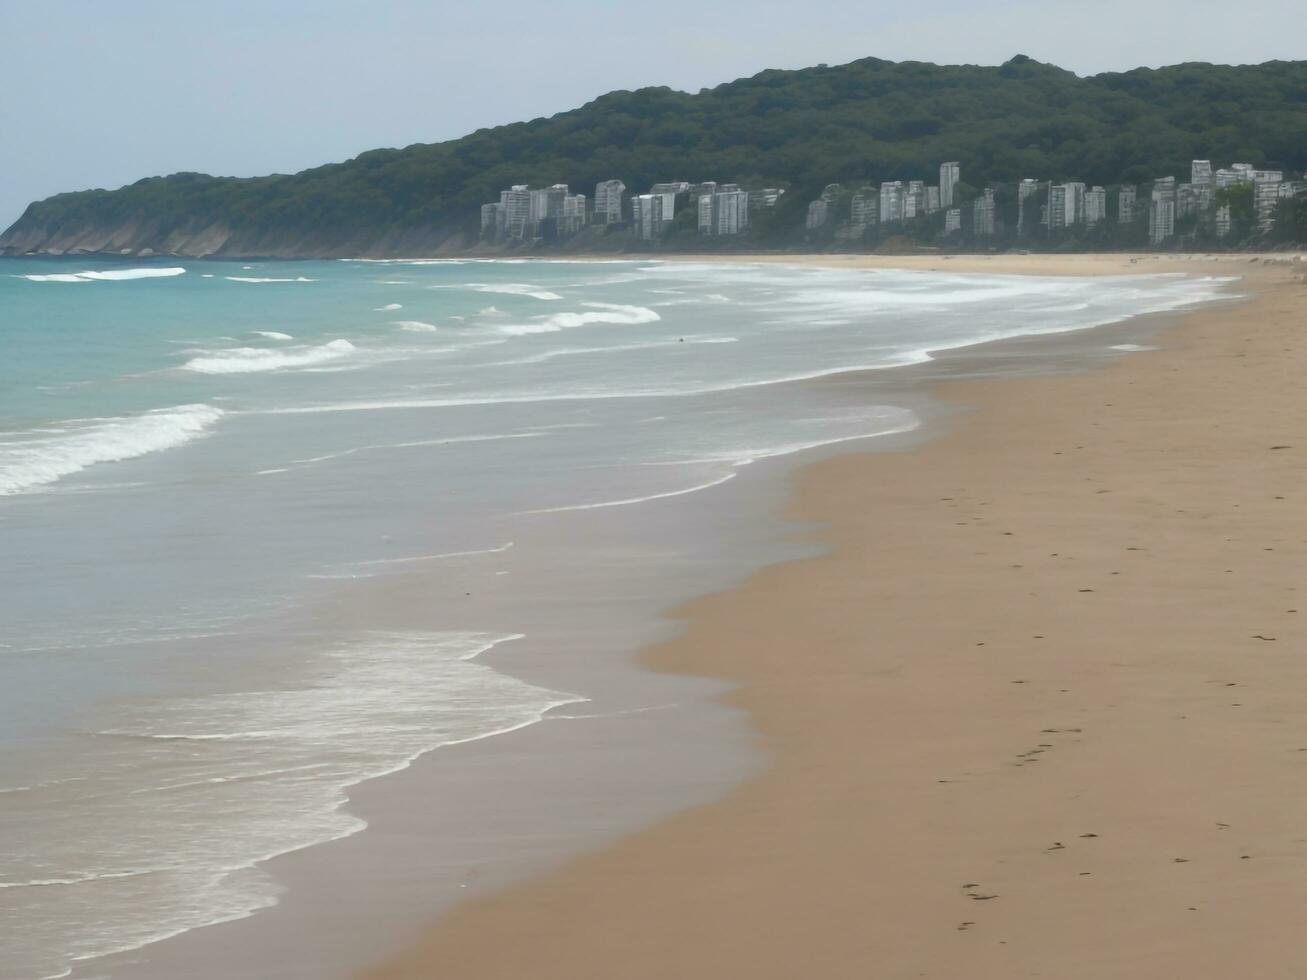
(867, 121)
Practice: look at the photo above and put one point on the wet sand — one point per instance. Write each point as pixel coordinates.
(1040, 711)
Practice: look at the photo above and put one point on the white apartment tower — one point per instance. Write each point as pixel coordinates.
(949, 174)
(515, 210)
(1066, 205)
(1266, 196)
(818, 211)
(608, 202)
(1028, 188)
(914, 201)
(982, 216)
(1125, 204)
(863, 209)
(952, 221)
(1161, 210)
(1095, 205)
(651, 213)
(891, 202)
(725, 211)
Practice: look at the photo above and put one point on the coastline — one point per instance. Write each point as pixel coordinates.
(1143, 813)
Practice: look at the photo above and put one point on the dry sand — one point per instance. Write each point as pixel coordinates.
(1041, 711)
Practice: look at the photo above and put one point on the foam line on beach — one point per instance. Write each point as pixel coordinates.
(628, 500)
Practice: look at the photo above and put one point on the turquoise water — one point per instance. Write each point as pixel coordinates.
(198, 458)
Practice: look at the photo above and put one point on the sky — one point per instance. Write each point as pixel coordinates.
(98, 94)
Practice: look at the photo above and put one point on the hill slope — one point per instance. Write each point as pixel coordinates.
(870, 120)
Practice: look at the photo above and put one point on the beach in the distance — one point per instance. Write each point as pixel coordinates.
(1037, 712)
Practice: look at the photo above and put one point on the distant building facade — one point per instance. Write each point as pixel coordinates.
(1161, 210)
(725, 211)
(949, 175)
(982, 215)
(1095, 205)
(1125, 204)
(891, 202)
(609, 198)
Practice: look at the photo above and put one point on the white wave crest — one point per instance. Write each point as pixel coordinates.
(389, 307)
(106, 275)
(257, 279)
(416, 326)
(513, 289)
(248, 360)
(29, 463)
(272, 334)
(606, 313)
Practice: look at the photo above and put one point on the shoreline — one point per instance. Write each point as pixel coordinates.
(360, 862)
(718, 874)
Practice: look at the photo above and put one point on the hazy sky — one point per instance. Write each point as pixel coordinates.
(97, 93)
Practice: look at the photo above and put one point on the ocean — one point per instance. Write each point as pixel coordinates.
(203, 465)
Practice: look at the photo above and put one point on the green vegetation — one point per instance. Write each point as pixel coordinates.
(854, 124)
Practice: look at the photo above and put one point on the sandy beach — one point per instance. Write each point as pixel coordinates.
(1039, 711)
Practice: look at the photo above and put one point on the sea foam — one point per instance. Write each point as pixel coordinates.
(249, 360)
(29, 463)
(605, 313)
(107, 275)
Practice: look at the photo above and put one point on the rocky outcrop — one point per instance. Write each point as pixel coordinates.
(200, 239)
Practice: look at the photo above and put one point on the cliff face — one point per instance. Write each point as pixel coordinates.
(143, 237)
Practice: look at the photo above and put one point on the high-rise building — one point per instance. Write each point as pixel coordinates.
(573, 217)
(1027, 197)
(982, 214)
(914, 200)
(891, 202)
(670, 187)
(705, 222)
(949, 175)
(1186, 200)
(732, 210)
(515, 210)
(547, 202)
(818, 211)
(651, 213)
(608, 202)
(1125, 204)
(864, 208)
(932, 199)
(1161, 210)
(1066, 205)
(1266, 196)
(725, 211)
(1095, 205)
(1204, 184)
(952, 221)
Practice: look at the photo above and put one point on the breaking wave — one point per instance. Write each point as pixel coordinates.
(106, 275)
(27, 463)
(606, 313)
(248, 360)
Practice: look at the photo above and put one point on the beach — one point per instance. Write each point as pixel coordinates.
(1036, 711)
